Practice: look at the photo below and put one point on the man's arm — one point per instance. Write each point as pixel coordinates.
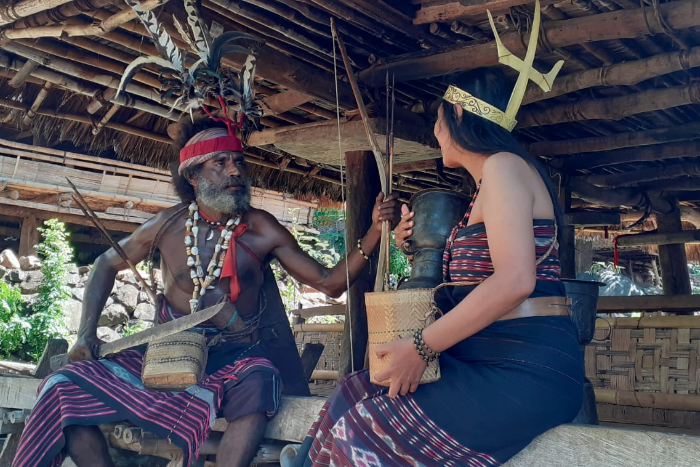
(101, 280)
(332, 282)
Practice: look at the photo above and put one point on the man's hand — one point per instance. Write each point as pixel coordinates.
(385, 210)
(83, 348)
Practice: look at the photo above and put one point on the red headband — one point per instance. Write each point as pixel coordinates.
(222, 143)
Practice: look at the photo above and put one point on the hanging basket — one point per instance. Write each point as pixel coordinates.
(397, 315)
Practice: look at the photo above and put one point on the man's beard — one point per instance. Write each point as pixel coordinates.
(220, 199)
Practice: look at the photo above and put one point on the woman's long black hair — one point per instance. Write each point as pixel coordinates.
(481, 136)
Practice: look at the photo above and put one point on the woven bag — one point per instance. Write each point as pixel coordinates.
(174, 363)
(397, 315)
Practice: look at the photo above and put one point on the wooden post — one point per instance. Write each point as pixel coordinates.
(567, 246)
(29, 236)
(362, 188)
(672, 258)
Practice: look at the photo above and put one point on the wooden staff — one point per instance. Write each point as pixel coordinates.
(382, 265)
(82, 204)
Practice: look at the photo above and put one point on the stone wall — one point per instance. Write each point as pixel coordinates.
(127, 306)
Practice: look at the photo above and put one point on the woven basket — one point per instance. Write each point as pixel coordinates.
(397, 315)
(175, 362)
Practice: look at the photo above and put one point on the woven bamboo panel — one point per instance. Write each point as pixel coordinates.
(330, 357)
(646, 359)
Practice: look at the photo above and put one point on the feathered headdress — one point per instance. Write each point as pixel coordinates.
(205, 79)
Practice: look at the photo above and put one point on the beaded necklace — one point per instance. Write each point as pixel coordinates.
(201, 281)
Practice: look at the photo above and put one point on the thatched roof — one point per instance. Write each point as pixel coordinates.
(625, 103)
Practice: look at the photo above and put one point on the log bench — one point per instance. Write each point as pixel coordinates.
(567, 445)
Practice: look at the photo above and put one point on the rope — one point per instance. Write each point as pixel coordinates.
(341, 160)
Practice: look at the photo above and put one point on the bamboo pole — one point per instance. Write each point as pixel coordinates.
(85, 119)
(37, 103)
(105, 119)
(26, 151)
(66, 66)
(616, 141)
(624, 24)
(14, 11)
(651, 238)
(622, 156)
(89, 29)
(648, 399)
(61, 13)
(652, 322)
(23, 73)
(613, 108)
(457, 10)
(621, 74)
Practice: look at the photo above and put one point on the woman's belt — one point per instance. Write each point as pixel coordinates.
(540, 306)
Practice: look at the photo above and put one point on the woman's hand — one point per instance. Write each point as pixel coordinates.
(405, 369)
(405, 228)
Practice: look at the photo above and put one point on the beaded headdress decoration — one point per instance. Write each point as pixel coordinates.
(485, 110)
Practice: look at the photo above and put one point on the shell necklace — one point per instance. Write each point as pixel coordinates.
(201, 281)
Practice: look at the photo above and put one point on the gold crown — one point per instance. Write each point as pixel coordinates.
(485, 110)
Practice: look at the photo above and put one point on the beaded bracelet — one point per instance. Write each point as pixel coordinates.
(235, 315)
(421, 347)
(359, 248)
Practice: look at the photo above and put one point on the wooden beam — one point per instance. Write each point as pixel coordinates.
(16, 10)
(672, 257)
(284, 101)
(462, 9)
(617, 197)
(18, 392)
(612, 108)
(682, 237)
(617, 141)
(592, 219)
(649, 399)
(414, 166)
(24, 72)
(363, 185)
(20, 208)
(633, 177)
(621, 74)
(29, 236)
(622, 156)
(623, 24)
(326, 310)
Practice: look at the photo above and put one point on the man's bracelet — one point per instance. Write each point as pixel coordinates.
(359, 248)
(235, 315)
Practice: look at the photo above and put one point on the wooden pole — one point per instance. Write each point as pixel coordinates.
(682, 237)
(623, 24)
(29, 236)
(672, 257)
(14, 11)
(85, 119)
(362, 188)
(613, 108)
(616, 141)
(37, 103)
(91, 29)
(61, 13)
(567, 248)
(23, 73)
(616, 197)
(621, 74)
(646, 175)
(448, 11)
(656, 152)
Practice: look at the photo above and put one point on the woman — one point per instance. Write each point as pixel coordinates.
(510, 360)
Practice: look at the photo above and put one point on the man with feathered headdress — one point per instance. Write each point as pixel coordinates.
(225, 255)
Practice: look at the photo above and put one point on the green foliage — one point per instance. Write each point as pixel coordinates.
(599, 266)
(133, 328)
(47, 320)
(13, 326)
